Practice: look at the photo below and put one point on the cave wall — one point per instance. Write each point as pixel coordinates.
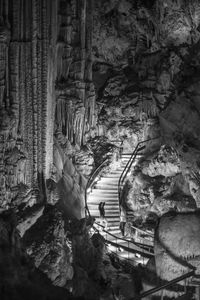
(47, 96)
(58, 56)
(27, 96)
(75, 95)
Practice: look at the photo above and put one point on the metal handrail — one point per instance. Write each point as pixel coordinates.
(149, 253)
(123, 239)
(125, 171)
(129, 164)
(168, 284)
(143, 231)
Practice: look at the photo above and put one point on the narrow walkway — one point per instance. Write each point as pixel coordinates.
(106, 190)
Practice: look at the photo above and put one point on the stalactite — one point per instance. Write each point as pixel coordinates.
(34, 90)
(44, 77)
(29, 116)
(40, 116)
(25, 60)
(2, 72)
(59, 60)
(82, 40)
(16, 20)
(89, 27)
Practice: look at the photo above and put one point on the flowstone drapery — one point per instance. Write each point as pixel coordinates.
(26, 104)
(45, 88)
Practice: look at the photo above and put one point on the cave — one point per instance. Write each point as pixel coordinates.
(100, 149)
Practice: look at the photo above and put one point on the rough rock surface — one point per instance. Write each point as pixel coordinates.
(165, 181)
(47, 244)
(77, 79)
(18, 276)
(177, 244)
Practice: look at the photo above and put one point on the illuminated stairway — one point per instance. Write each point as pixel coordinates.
(106, 190)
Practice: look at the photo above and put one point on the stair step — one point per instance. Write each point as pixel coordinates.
(108, 203)
(108, 210)
(109, 216)
(98, 196)
(114, 227)
(113, 223)
(104, 192)
(97, 199)
(105, 188)
(110, 180)
(107, 185)
(107, 207)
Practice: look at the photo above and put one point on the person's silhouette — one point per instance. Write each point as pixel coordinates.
(102, 209)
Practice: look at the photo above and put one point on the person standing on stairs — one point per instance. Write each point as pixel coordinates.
(102, 209)
(103, 220)
(122, 223)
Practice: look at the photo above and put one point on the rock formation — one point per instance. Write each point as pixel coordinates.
(80, 82)
(19, 277)
(177, 245)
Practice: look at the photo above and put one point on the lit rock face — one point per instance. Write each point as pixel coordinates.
(163, 181)
(26, 101)
(47, 244)
(67, 184)
(177, 245)
(166, 163)
(46, 89)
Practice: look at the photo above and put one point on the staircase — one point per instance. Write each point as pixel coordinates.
(106, 190)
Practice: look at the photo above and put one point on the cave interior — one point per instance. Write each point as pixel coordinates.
(100, 149)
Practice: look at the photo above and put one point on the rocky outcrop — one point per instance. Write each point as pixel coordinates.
(19, 277)
(164, 181)
(177, 245)
(97, 275)
(47, 244)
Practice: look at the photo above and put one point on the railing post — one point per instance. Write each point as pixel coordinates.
(128, 248)
(197, 293)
